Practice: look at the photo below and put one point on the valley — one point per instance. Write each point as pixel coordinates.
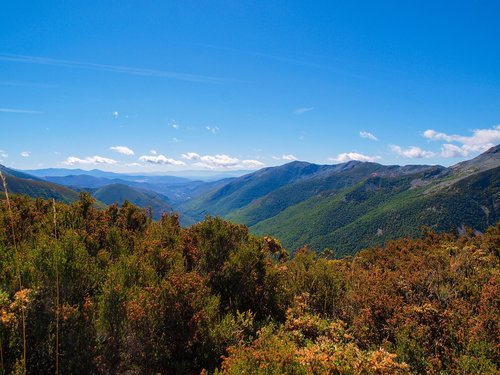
(344, 207)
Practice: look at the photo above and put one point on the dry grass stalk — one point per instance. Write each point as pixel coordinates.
(18, 271)
(1, 353)
(57, 286)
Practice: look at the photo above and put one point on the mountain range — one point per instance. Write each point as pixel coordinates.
(343, 207)
(19, 182)
(350, 206)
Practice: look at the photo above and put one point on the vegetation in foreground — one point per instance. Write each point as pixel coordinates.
(111, 291)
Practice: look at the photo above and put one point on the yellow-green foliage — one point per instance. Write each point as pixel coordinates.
(308, 344)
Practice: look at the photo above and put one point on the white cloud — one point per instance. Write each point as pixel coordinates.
(191, 156)
(116, 114)
(133, 165)
(368, 135)
(212, 129)
(252, 164)
(153, 152)
(288, 157)
(73, 160)
(300, 111)
(122, 150)
(174, 140)
(222, 161)
(349, 156)
(412, 152)
(25, 154)
(452, 151)
(3, 154)
(160, 159)
(480, 141)
(13, 110)
(174, 124)
(219, 160)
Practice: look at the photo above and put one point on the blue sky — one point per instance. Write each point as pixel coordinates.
(170, 85)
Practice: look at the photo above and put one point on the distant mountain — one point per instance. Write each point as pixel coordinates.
(337, 179)
(64, 172)
(244, 190)
(23, 183)
(101, 188)
(354, 205)
(61, 172)
(171, 177)
(178, 191)
(379, 209)
(79, 181)
(209, 175)
(119, 193)
(263, 194)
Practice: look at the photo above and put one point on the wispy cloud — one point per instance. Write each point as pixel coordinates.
(116, 114)
(221, 161)
(412, 152)
(111, 68)
(480, 141)
(160, 159)
(368, 135)
(191, 156)
(453, 151)
(251, 164)
(25, 154)
(212, 129)
(73, 160)
(350, 156)
(14, 110)
(218, 161)
(174, 124)
(124, 150)
(3, 154)
(301, 111)
(288, 157)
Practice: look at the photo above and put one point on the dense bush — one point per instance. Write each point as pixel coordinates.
(110, 291)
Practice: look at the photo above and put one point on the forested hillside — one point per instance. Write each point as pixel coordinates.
(380, 209)
(119, 193)
(353, 205)
(109, 291)
(23, 183)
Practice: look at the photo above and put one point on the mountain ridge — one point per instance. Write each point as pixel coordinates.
(119, 193)
(350, 198)
(343, 206)
(23, 183)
